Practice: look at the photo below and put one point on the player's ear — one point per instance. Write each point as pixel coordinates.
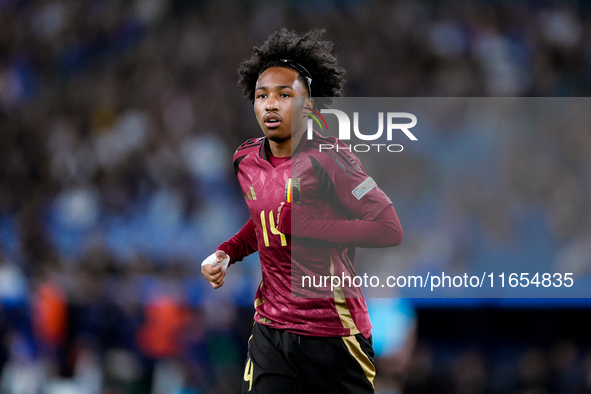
(309, 103)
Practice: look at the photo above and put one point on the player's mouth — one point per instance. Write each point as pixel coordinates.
(272, 121)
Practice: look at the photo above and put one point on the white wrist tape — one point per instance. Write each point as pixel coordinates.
(212, 260)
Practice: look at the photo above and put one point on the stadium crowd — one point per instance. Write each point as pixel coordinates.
(118, 120)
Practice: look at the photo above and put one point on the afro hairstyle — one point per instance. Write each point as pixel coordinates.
(307, 50)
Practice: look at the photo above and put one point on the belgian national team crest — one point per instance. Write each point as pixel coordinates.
(292, 190)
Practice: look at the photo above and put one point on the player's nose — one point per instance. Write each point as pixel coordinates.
(271, 104)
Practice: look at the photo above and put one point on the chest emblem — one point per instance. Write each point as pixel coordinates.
(292, 190)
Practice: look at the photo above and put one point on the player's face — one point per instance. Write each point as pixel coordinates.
(275, 89)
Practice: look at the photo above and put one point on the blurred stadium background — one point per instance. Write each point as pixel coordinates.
(118, 120)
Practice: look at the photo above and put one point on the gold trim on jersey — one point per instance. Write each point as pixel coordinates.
(257, 302)
(363, 359)
(341, 305)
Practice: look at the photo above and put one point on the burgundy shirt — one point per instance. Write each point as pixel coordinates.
(328, 190)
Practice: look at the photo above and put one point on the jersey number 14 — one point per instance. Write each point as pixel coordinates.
(273, 229)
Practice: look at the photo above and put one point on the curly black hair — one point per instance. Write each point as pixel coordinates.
(308, 50)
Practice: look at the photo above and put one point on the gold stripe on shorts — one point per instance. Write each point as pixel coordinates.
(363, 359)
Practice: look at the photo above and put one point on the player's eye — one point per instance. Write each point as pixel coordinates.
(261, 95)
(284, 95)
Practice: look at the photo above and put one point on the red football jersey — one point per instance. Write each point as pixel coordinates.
(329, 185)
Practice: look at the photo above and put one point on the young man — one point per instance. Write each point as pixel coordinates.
(303, 204)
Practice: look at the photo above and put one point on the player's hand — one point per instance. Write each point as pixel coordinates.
(292, 219)
(279, 210)
(215, 274)
(284, 226)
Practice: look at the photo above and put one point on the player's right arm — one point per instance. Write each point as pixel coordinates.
(242, 244)
(215, 274)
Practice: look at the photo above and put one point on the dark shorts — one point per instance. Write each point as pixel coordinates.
(280, 362)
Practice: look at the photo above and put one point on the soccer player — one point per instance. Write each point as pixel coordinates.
(309, 210)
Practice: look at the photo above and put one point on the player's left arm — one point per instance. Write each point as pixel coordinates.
(384, 230)
(377, 223)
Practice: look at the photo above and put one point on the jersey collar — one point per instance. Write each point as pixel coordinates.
(266, 148)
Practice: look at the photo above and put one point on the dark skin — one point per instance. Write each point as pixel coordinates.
(275, 89)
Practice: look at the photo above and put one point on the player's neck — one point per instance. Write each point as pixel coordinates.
(280, 149)
(284, 148)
